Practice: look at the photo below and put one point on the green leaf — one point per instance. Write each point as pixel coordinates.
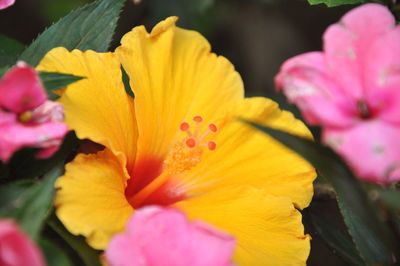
(3, 70)
(395, 8)
(12, 195)
(90, 27)
(88, 255)
(125, 80)
(202, 5)
(55, 256)
(390, 198)
(192, 14)
(373, 238)
(24, 163)
(54, 81)
(180, 7)
(332, 3)
(33, 203)
(3, 171)
(51, 10)
(336, 240)
(9, 51)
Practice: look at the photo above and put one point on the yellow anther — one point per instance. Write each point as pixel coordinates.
(25, 117)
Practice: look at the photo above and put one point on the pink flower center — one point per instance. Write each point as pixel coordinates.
(364, 112)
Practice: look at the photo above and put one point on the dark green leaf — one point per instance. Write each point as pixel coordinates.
(331, 3)
(202, 5)
(192, 14)
(25, 165)
(125, 79)
(88, 255)
(9, 51)
(12, 195)
(390, 198)
(394, 217)
(54, 255)
(337, 241)
(3, 70)
(90, 27)
(179, 7)
(31, 207)
(372, 237)
(396, 11)
(51, 10)
(54, 81)
(3, 171)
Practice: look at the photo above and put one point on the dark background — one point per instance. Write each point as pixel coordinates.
(256, 35)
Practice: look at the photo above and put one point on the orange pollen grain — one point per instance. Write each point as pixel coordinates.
(191, 142)
(184, 126)
(187, 152)
(197, 119)
(197, 138)
(212, 145)
(213, 128)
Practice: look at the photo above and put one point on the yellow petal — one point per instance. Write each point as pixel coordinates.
(174, 77)
(268, 229)
(90, 199)
(244, 156)
(96, 107)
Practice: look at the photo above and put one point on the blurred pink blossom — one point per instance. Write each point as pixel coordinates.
(6, 3)
(352, 89)
(16, 249)
(164, 236)
(27, 118)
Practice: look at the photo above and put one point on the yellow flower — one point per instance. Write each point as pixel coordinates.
(178, 143)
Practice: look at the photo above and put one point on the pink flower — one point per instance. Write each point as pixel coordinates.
(16, 249)
(352, 89)
(6, 3)
(27, 119)
(157, 236)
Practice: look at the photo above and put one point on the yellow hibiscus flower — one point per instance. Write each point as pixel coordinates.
(178, 143)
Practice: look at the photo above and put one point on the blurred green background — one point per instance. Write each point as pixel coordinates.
(256, 35)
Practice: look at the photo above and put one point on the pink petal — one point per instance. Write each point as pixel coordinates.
(372, 149)
(122, 251)
(369, 20)
(6, 3)
(16, 249)
(16, 136)
(214, 247)
(49, 111)
(343, 58)
(347, 43)
(306, 81)
(21, 89)
(382, 72)
(382, 66)
(48, 152)
(394, 175)
(386, 103)
(7, 118)
(157, 236)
